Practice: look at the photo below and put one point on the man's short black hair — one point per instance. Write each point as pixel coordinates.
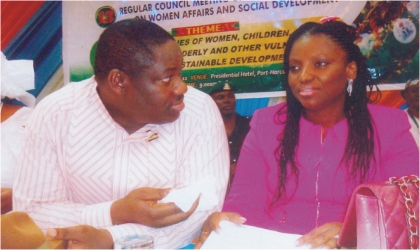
(127, 45)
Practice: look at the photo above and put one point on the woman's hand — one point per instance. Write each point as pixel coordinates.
(212, 224)
(325, 236)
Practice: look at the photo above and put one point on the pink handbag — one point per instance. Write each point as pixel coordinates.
(383, 215)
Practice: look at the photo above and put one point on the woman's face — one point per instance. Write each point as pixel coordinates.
(319, 72)
(411, 95)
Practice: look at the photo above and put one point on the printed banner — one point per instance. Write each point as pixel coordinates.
(250, 58)
(243, 42)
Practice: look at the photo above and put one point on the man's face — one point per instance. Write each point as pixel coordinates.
(156, 96)
(411, 95)
(225, 101)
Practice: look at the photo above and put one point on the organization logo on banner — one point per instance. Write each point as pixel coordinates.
(105, 16)
(404, 30)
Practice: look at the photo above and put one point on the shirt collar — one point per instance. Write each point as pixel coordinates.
(338, 131)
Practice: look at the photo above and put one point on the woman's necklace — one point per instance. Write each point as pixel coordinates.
(318, 204)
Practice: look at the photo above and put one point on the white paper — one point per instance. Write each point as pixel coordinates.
(185, 197)
(234, 236)
(17, 76)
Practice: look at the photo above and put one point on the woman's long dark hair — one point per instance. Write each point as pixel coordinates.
(360, 141)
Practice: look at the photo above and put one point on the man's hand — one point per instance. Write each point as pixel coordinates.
(6, 200)
(212, 224)
(140, 206)
(82, 236)
(325, 236)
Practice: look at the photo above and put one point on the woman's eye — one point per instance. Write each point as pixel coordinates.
(293, 68)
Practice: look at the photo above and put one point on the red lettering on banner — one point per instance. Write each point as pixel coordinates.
(205, 29)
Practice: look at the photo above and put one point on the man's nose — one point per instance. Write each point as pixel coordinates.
(180, 87)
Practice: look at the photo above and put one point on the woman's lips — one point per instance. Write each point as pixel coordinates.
(306, 91)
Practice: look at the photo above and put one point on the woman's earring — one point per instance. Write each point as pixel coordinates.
(350, 86)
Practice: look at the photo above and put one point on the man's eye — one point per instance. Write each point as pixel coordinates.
(321, 64)
(166, 79)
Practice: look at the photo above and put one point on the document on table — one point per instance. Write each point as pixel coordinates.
(233, 236)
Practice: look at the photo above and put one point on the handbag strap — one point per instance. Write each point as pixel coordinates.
(412, 220)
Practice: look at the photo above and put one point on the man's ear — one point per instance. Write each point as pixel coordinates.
(117, 81)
